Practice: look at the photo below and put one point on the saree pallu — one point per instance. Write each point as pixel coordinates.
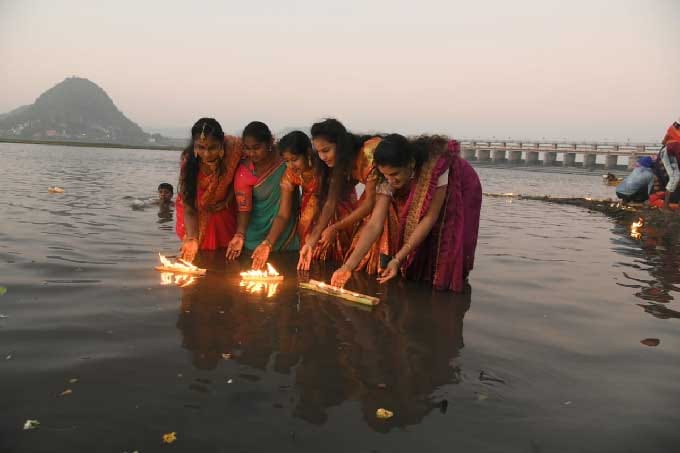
(266, 198)
(309, 202)
(215, 229)
(446, 256)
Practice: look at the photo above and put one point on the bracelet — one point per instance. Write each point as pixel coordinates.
(267, 242)
(190, 238)
(239, 234)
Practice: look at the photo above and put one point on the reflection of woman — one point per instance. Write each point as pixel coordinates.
(438, 198)
(296, 150)
(258, 194)
(344, 160)
(205, 216)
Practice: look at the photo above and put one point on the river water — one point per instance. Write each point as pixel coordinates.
(568, 339)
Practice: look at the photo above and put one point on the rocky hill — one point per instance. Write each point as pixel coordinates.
(75, 109)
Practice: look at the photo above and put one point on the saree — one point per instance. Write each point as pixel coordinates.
(308, 184)
(215, 229)
(446, 256)
(261, 195)
(364, 171)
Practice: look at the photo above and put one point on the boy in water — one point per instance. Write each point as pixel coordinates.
(165, 193)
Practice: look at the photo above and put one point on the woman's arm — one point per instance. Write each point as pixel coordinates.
(368, 234)
(355, 216)
(190, 240)
(261, 253)
(419, 234)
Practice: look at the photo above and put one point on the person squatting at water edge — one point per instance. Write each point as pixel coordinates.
(257, 186)
(639, 184)
(669, 154)
(344, 159)
(206, 217)
(296, 150)
(438, 198)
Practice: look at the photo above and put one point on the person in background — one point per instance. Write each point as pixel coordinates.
(257, 186)
(669, 155)
(438, 197)
(639, 184)
(206, 218)
(296, 150)
(165, 193)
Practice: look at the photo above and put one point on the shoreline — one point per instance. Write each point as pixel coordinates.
(90, 144)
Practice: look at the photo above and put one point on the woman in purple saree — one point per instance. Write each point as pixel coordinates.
(438, 198)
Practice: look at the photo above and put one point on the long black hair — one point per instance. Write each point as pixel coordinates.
(188, 175)
(397, 151)
(296, 143)
(259, 131)
(336, 182)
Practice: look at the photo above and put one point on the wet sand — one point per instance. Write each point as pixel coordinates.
(551, 349)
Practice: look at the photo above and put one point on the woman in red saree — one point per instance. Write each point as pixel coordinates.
(206, 215)
(344, 159)
(438, 198)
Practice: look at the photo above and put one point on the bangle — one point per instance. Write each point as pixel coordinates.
(267, 242)
(239, 234)
(190, 238)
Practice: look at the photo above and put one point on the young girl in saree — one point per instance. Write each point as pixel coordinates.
(344, 159)
(206, 219)
(257, 186)
(296, 150)
(438, 198)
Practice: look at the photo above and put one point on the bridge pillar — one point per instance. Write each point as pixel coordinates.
(569, 159)
(515, 157)
(499, 155)
(484, 155)
(589, 161)
(549, 158)
(469, 154)
(532, 157)
(610, 161)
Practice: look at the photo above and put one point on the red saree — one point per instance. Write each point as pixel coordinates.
(215, 229)
(446, 256)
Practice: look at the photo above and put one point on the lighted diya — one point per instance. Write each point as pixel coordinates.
(635, 228)
(269, 275)
(342, 293)
(179, 267)
(267, 281)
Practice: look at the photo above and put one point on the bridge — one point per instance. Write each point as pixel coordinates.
(556, 153)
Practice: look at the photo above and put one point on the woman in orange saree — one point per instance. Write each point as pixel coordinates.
(296, 150)
(206, 216)
(438, 198)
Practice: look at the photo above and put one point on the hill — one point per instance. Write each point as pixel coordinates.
(74, 109)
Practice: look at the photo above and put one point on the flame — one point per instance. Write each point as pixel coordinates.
(270, 274)
(180, 265)
(256, 281)
(635, 228)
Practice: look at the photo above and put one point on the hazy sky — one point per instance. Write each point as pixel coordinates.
(574, 69)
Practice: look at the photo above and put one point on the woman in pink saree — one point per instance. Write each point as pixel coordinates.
(438, 198)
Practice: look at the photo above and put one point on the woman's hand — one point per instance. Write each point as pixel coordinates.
(329, 234)
(189, 249)
(391, 271)
(235, 247)
(305, 260)
(340, 277)
(261, 255)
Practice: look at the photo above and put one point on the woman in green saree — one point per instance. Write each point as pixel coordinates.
(257, 186)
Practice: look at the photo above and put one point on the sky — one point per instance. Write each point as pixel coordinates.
(534, 69)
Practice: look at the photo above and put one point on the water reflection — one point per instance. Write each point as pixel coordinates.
(393, 356)
(656, 248)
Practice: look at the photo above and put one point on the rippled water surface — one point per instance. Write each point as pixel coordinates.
(567, 341)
